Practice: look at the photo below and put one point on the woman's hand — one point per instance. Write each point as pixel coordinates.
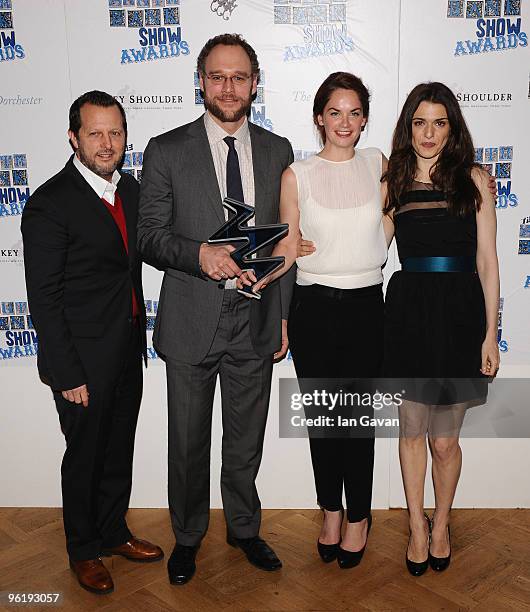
(248, 279)
(304, 247)
(490, 357)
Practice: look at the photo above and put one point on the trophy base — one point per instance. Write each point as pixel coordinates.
(249, 293)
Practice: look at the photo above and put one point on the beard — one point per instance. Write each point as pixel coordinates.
(101, 168)
(230, 116)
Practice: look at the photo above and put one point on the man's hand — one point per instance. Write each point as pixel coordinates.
(492, 186)
(79, 395)
(285, 343)
(215, 262)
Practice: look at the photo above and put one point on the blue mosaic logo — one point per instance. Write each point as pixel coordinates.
(9, 49)
(497, 161)
(502, 342)
(158, 25)
(524, 237)
(14, 189)
(323, 25)
(258, 111)
(151, 308)
(301, 154)
(527, 283)
(17, 337)
(498, 25)
(133, 162)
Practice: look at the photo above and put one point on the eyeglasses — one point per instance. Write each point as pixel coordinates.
(237, 80)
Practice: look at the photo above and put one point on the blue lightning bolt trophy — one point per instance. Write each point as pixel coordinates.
(248, 240)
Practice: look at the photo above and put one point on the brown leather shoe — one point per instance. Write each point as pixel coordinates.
(93, 576)
(137, 550)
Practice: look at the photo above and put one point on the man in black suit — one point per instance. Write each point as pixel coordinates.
(204, 328)
(83, 278)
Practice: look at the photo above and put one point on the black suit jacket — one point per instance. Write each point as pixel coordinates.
(79, 279)
(181, 207)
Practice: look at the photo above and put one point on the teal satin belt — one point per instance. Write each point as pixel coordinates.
(462, 263)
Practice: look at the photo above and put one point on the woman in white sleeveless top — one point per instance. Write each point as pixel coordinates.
(336, 319)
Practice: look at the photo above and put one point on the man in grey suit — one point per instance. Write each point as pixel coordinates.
(204, 328)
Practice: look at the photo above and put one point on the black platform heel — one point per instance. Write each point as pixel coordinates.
(348, 558)
(418, 568)
(329, 552)
(439, 564)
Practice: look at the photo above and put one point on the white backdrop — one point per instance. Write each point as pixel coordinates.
(144, 52)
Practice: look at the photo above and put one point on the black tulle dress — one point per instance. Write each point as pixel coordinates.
(435, 322)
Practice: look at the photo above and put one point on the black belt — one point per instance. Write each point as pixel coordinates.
(338, 294)
(461, 263)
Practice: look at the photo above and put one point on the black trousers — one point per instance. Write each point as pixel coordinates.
(338, 333)
(97, 464)
(245, 379)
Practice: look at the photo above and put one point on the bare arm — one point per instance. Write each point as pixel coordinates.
(388, 220)
(488, 270)
(290, 214)
(287, 281)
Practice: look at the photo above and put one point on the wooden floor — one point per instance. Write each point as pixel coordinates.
(490, 568)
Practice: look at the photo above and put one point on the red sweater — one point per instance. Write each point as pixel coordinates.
(119, 217)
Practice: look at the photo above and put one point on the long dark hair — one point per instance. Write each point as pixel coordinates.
(339, 80)
(452, 172)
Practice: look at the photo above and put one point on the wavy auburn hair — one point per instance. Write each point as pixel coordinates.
(452, 172)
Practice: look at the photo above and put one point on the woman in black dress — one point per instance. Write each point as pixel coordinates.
(441, 308)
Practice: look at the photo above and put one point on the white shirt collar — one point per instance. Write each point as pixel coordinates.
(103, 188)
(216, 133)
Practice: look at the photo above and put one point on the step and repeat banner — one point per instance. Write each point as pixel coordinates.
(144, 53)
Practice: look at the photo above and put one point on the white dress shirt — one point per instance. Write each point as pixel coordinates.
(103, 188)
(219, 150)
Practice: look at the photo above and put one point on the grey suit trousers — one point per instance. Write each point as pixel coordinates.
(245, 380)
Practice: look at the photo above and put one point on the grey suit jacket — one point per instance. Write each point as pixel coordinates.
(180, 208)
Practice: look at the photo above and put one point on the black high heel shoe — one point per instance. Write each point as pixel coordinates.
(439, 564)
(348, 558)
(329, 552)
(418, 568)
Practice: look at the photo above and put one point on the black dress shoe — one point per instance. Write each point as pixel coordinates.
(348, 558)
(258, 552)
(439, 564)
(329, 552)
(181, 564)
(418, 568)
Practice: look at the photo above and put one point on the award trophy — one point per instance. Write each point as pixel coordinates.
(248, 240)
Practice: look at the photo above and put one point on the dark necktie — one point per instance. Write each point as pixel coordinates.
(234, 187)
